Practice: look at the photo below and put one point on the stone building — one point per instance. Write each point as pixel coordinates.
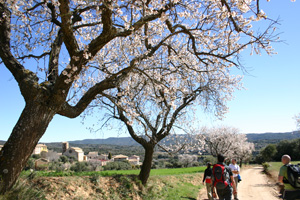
(92, 155)
(41, 164)
(75, 152)
(103, 157)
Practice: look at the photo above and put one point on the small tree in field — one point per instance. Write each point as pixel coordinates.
(55, 48)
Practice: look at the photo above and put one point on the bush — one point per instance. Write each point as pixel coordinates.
(266, 167)
(120, 165)
(210, 159)
(259, 159)
(80, 167)
(63, 159)
(36, 156)
(95, 178)
(58, 166)
(29, 164)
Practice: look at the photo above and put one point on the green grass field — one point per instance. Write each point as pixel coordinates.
(154, 172)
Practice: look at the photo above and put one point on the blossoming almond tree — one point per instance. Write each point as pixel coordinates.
(54, 48)
(48, 46)
(221, 140)
(196, 44)
(244, 152)
(228, 142)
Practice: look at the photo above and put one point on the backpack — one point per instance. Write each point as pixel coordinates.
(293, 173)
(221, 176)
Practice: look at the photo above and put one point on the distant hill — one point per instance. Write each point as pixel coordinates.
(252, 137)
(273, 136)
(122, 141)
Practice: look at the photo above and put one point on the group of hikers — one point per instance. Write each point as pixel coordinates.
(222, 180)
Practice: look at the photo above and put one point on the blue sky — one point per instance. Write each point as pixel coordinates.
(269, 103)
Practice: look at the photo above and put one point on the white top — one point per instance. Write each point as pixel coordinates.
(234, 168)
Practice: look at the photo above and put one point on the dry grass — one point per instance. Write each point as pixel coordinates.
(119, 187)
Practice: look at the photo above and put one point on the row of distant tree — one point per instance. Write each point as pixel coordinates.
(274, 152)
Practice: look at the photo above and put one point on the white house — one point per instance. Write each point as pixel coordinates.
(135, 160)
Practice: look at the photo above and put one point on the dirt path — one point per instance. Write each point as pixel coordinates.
(254, 185)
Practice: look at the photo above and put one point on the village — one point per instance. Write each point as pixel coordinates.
(78, 155)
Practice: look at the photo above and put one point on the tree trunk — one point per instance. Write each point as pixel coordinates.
(147, 163)
(241, 163)
(29, 129)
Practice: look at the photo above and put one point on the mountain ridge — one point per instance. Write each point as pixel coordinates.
(252, 137)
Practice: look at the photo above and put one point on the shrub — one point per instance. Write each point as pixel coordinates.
(29, 164)
(120, 165)
(80, 167)
(266, 167)
(63, 159)
(210, 159)
(95, 178)
(36, 156)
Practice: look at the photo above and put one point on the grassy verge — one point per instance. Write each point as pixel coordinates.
(181, 183)
(275, 166)
(273, 170)
(185, 186)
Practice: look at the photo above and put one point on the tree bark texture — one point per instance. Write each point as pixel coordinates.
(14, 155)
(147, 164)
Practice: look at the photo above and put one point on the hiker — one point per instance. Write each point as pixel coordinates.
(289, 192)
(223, 180)
(235, 168)
(208, 181)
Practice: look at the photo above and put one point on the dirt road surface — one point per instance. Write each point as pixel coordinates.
(254, 186)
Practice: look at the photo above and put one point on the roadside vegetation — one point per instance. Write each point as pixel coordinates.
(274, 152)
(179, 183)
(272, 168)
